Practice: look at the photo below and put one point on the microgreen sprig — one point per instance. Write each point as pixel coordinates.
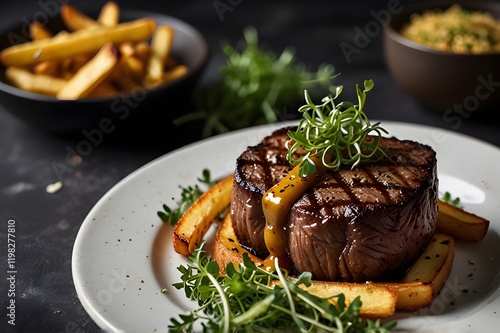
(335, 132)
(448, 198)
(250, 299)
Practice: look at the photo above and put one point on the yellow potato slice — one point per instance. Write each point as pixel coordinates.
(193, 225)
(460, 223)
(434, 264)
(377, 301)
(411, 295)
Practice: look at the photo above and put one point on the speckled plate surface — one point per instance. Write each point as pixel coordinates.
(123, 255)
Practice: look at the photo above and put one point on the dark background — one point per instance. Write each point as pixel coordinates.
(47, 224)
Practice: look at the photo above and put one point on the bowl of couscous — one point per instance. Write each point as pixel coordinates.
(446, 55)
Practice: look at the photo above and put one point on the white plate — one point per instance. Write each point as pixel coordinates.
(123, 253)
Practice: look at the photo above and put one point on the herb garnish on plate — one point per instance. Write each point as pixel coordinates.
(247, 300)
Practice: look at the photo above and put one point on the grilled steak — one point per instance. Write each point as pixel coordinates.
(351, 225)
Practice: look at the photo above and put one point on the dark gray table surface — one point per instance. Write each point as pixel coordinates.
(46, 224)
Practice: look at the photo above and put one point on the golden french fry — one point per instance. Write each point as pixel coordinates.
(434, 264)
(193, 225)
(142, 51)
(461, 224)
(47, 68)
(36, 83)
(80, 41)
(134, 67)
(62, 33)
(109, 14)
(175, 73)
(66, 68)
(38, 31)
(161, 46)
(75, 19)
(126, 49)
(69, 66)
(122, 78)
(129, 66)
(79, 60)
(91, 74)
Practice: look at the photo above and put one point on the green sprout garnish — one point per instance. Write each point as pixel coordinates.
(245, 300)
(448, 198)
(336, 132)
(189, 194)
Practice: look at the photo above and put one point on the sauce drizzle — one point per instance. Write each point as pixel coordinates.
(276, 203)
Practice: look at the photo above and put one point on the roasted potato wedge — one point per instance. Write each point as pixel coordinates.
(427, 276)
(193, 225)
(460, 223)
(378, 301)
(226, 248)
(434, 264)
(411, 295)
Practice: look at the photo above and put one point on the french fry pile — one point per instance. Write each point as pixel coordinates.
(93, 57)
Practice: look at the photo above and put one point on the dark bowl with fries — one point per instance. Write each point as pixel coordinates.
(127, 105)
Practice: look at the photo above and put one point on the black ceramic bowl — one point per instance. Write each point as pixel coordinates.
(442, 81)
(141, 106)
